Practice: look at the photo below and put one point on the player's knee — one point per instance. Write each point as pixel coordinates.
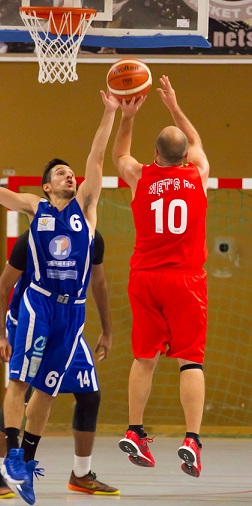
(86, 411)
(191, 366)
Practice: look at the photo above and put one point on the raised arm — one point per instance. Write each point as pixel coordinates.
(89, 191)
(128, 167)
(21, 202)
(196, 152)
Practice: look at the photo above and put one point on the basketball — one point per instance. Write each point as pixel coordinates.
(129, 78)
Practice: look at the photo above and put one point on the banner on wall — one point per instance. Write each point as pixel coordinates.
(230, 23)
(230, 26)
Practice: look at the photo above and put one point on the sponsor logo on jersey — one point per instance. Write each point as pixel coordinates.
(45, 224)
(61, 263)
(60, 247)
(62, 275)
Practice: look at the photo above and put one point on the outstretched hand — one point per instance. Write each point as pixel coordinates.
(129, 109)
(167, 93)
(111, 103)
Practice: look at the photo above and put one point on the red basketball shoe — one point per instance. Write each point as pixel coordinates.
(137, 449)
(189, 452)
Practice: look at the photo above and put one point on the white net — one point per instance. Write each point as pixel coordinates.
(57, 40)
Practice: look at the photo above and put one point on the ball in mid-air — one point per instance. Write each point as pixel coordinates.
(129, 78)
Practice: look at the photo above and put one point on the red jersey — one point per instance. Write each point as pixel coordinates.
(169, 211)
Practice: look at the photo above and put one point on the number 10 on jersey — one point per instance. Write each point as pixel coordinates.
(158, 207)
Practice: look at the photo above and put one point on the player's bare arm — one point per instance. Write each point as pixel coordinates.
(99, 289)
(128, 167)
(196, 152)
(21, 202)
(89, 191)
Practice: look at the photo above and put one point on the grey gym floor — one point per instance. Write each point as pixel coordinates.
(226, 477)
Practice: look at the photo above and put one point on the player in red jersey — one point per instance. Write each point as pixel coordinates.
(167, 284)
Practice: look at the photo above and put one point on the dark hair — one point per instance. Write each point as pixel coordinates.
(46, 177)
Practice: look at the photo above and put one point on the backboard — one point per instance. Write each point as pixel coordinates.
(133, 23)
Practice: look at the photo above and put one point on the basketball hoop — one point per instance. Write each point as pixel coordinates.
(57, 33)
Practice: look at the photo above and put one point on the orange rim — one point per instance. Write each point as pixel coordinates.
(58, 12)
(44, 12)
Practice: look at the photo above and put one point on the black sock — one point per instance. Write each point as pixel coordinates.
(29, 444)
(11, 434)
(194, 436)
(138, 429)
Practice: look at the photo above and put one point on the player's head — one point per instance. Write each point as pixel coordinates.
(171, 146)
(56, 166)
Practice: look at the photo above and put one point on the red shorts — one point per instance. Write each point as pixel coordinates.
(169, 311)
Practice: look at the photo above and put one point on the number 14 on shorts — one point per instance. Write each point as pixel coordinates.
(83, 378)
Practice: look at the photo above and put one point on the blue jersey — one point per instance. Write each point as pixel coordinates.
(52, 309)
(82, 365)
(60, 249)
(18, 260)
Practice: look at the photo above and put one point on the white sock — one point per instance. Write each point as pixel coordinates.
(82, 466)
(1, 461)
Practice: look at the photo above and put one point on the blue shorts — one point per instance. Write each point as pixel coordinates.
(49, 350)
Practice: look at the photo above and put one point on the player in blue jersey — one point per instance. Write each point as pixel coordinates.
(53, 306)
(83, 381)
